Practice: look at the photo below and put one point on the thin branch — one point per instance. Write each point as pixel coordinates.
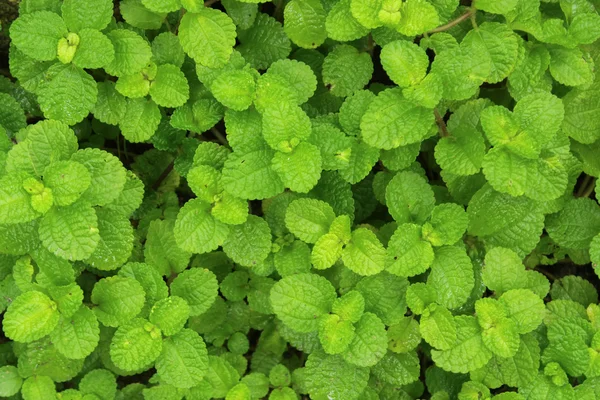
(220, 137)
(584, 185)
(164, 175)
(209, 3)
(589, 189)
(441, 124)
(181, 14)
(453, 23)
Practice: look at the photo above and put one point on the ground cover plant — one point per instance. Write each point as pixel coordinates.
(324, 199)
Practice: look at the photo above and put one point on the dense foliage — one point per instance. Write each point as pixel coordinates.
(324, 199)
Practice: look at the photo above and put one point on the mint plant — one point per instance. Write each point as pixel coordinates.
(300, 199)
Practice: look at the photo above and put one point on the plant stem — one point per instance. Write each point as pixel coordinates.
(220, 137)
(584, 185)
(209, 3)
(441, 124)
(587, 188)
(164, 175)
(453, 23)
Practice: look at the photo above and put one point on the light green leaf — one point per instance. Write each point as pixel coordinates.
(447, 225)
(369, 344)
(184, 360)
(10, 381)
(162, 6)
(438, 327)
(81, 14)
(198, 287)
(335, 334)
(392, 121)
(284, 125)
(137, 15)
(249, 244)
(468, 353)
(451, 276)
(77, 336)
(264, 43)
(107, 172)
(235, 89)
(330, 376)
(94, 51)
(170, 87)
(300, 299)
(416, 17)
(496, 6)
(15, 201)
(409, 198)
(304, 23)
(569, 67)
(166, 49)
(364, 254)
(68, 94)
(135, 345)
(524, 308)
(110, 105)
(346, 70)
(309, 219)
(341, 25)
(196, 230)
(408, 254)
(116, 241)
(300, 169)
(70, 232)
(576, 224)
(118, 300)
(398, 369)
(38, 388)
(30, 316)
(68, 180)
(37, 34)
(207, 36)
(132, 52)
(496, 43)
(140, 121)
(405, 62)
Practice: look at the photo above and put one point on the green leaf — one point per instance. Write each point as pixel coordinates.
(242, 13)
(140, 121)
(249, 175)
(130, 197)
(12, 116)
(94, 51)
(162, 6)
(155, 287)
(116, 241)
(30, 316)
(81, 14)
(569, 67)
(38, 388)
(170, 87)
(462, 72)
(353, 109)
(438, 327)
(468, 352)
(10, 381)
(369, 344)
(299, 77)
(184, 360)
(135, 345)
(398, 369)
(15, 201)
(334, 145)
(330, 376)
(350, 306)
(67, 180)
(137, 15)
(416, 17)
(284, 125)
(234, 89)
(384, 296)
(346, 70)
(99, 382)
(392, 121)
(37, 34)
(408, 254)
(77, 336)
(118, 300)
(361, 161)
(110, 104)
(107, 172)
(404, 336)
(249, 244)
(409, 198)
(207, 36)
(196, 230)
(132, 52)
(496, 7)
(299, 300)
(524, 308)
(304, 23)
(574, 288)
(70, 232)
(264, 43)
(341, 25)
(335, 334)
(309, 219)
(221, 376)
(451, 276)
(367, 12)
(198, 287)
(576, 224)
(166, 49)
(364, 254)
(584, 28)
(502, 339)
(405, 62)
(582, 114)
(447, 225)
(326, 251)
(68, 94)
(300, 169)
(497, 44)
